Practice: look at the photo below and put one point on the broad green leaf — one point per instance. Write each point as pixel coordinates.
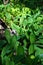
(20, 50)
(13, 40)
(30, 20)
(40, 41)
(8, 16)
(27, 35)
(2, 43)
(32, 38)
(38, 51)
(7, 35)
(12, 63)
(15, 27)
(14, 43)
(8, 61)
(6, 50)
(36, 26)
(36, 33)
(39, 19)
(37, 14)
(31, 49)
(25, 22)
(25, 42)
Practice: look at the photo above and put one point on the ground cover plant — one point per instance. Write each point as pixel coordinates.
(25, 47)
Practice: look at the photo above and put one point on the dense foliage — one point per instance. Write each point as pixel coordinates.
(26, 46)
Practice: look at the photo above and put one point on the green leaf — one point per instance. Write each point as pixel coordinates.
(27, 35)
(7, 35)
(13, 40)
(12, 63)
(7, 61)
(15, 27)
(14, 43)
(25, 42)
(40, 41)
(37, 14)
(8, 16)
(31, 49)
(32, 57)
(20, 50)
(30, 20)
(38, 51)
(32, 38)
(25, 22)
(36, 26)
(2, 43)
(39, 19)
(6, 50)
